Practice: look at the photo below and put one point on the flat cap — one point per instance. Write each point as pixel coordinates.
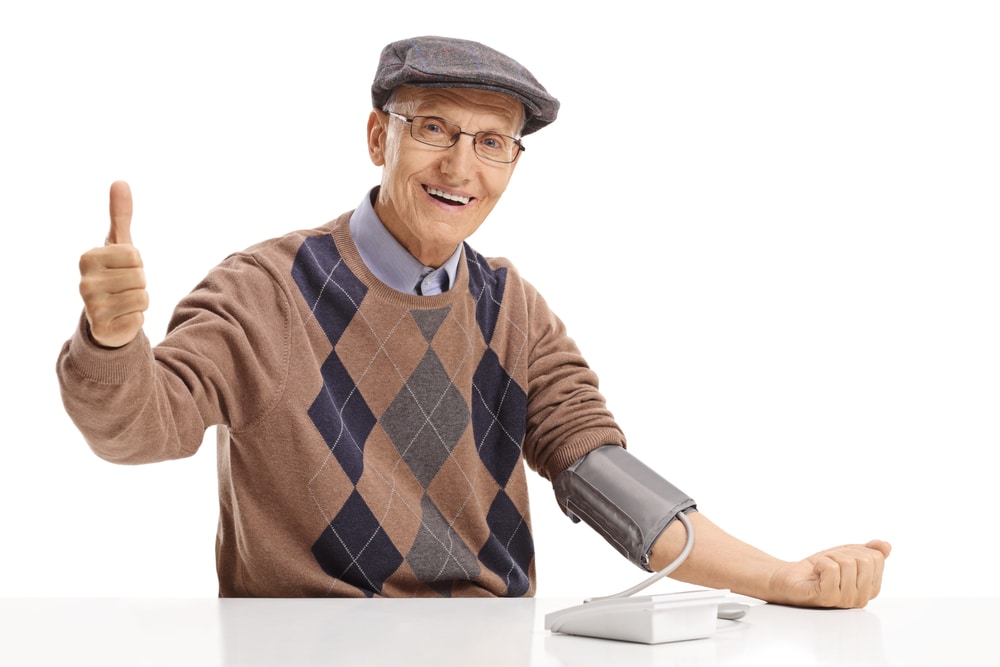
(444, 62)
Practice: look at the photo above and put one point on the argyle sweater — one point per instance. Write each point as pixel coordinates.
(370, 442)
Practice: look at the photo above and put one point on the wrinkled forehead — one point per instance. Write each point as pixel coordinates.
(450, 103)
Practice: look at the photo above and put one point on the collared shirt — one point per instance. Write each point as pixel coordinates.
(390, 262)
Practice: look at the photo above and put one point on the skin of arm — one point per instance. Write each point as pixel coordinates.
(848, 576)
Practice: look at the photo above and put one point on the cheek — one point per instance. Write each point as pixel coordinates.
(395, 173)
(498, 184)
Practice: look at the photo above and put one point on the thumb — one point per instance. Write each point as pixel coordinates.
(120, 207)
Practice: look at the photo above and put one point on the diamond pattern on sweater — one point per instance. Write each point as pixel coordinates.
(393, 418)
(355, 549)
(498, 417)
(430, 321)
(426, 419)
(342, 417)
(499, 405)
(334, 294)
(328, 286)
(438, 553)
(509, 550)
(380, 349)
(486, 286)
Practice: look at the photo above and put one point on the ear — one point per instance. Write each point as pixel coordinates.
(377, 136)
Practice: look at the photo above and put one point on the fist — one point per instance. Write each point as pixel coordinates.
(843, 577)
(112, 280)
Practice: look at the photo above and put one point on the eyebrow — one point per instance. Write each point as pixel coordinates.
(507, 132)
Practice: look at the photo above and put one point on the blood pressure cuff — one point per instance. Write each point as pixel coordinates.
(621, 498)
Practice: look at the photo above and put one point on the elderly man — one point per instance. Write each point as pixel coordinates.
(378, 385)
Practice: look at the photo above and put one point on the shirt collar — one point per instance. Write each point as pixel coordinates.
(389, 261)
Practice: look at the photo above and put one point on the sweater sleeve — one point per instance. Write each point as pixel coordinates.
(567, 414)
(224, 360)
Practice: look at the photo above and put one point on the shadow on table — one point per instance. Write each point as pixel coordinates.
(769, 634)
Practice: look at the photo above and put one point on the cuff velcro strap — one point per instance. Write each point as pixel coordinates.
(624, 500)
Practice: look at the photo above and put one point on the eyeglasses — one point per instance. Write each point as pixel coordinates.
(432, 131)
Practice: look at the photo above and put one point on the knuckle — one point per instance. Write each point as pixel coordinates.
(89, 260)
(89, 290)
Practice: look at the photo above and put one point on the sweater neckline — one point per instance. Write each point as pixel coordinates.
(341, 233)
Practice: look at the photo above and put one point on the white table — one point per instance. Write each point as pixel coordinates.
(194, 632)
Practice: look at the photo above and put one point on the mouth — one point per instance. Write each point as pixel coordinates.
(447, 197)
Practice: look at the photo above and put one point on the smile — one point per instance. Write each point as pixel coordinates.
(454, 200)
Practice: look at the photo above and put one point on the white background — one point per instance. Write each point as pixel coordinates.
(772, 227)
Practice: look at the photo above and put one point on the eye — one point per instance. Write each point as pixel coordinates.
(498, 144)
(432, 126)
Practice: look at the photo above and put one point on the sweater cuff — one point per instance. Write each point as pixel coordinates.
(101, 365)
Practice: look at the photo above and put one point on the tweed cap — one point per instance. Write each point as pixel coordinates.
(444, 62)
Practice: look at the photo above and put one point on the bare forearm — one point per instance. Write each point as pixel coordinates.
(718, 559)
(846, 576)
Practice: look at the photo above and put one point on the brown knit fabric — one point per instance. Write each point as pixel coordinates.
(370, 442)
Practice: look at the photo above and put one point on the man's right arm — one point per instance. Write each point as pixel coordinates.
(224, 360)
(106, 369)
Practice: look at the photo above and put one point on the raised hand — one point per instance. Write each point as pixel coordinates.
(112, 280)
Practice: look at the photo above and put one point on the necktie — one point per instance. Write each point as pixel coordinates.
(430, 282)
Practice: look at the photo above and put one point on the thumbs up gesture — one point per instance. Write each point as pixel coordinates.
(112, 281)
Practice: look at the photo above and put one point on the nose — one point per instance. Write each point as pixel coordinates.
(460, 159)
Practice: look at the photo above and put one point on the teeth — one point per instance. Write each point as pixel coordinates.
(445, 195)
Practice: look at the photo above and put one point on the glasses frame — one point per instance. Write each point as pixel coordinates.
(457, 135)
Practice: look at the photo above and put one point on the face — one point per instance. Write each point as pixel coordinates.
(434, 198)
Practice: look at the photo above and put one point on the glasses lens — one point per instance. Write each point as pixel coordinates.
(434, 131)
(488, 145)
(496, 147)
